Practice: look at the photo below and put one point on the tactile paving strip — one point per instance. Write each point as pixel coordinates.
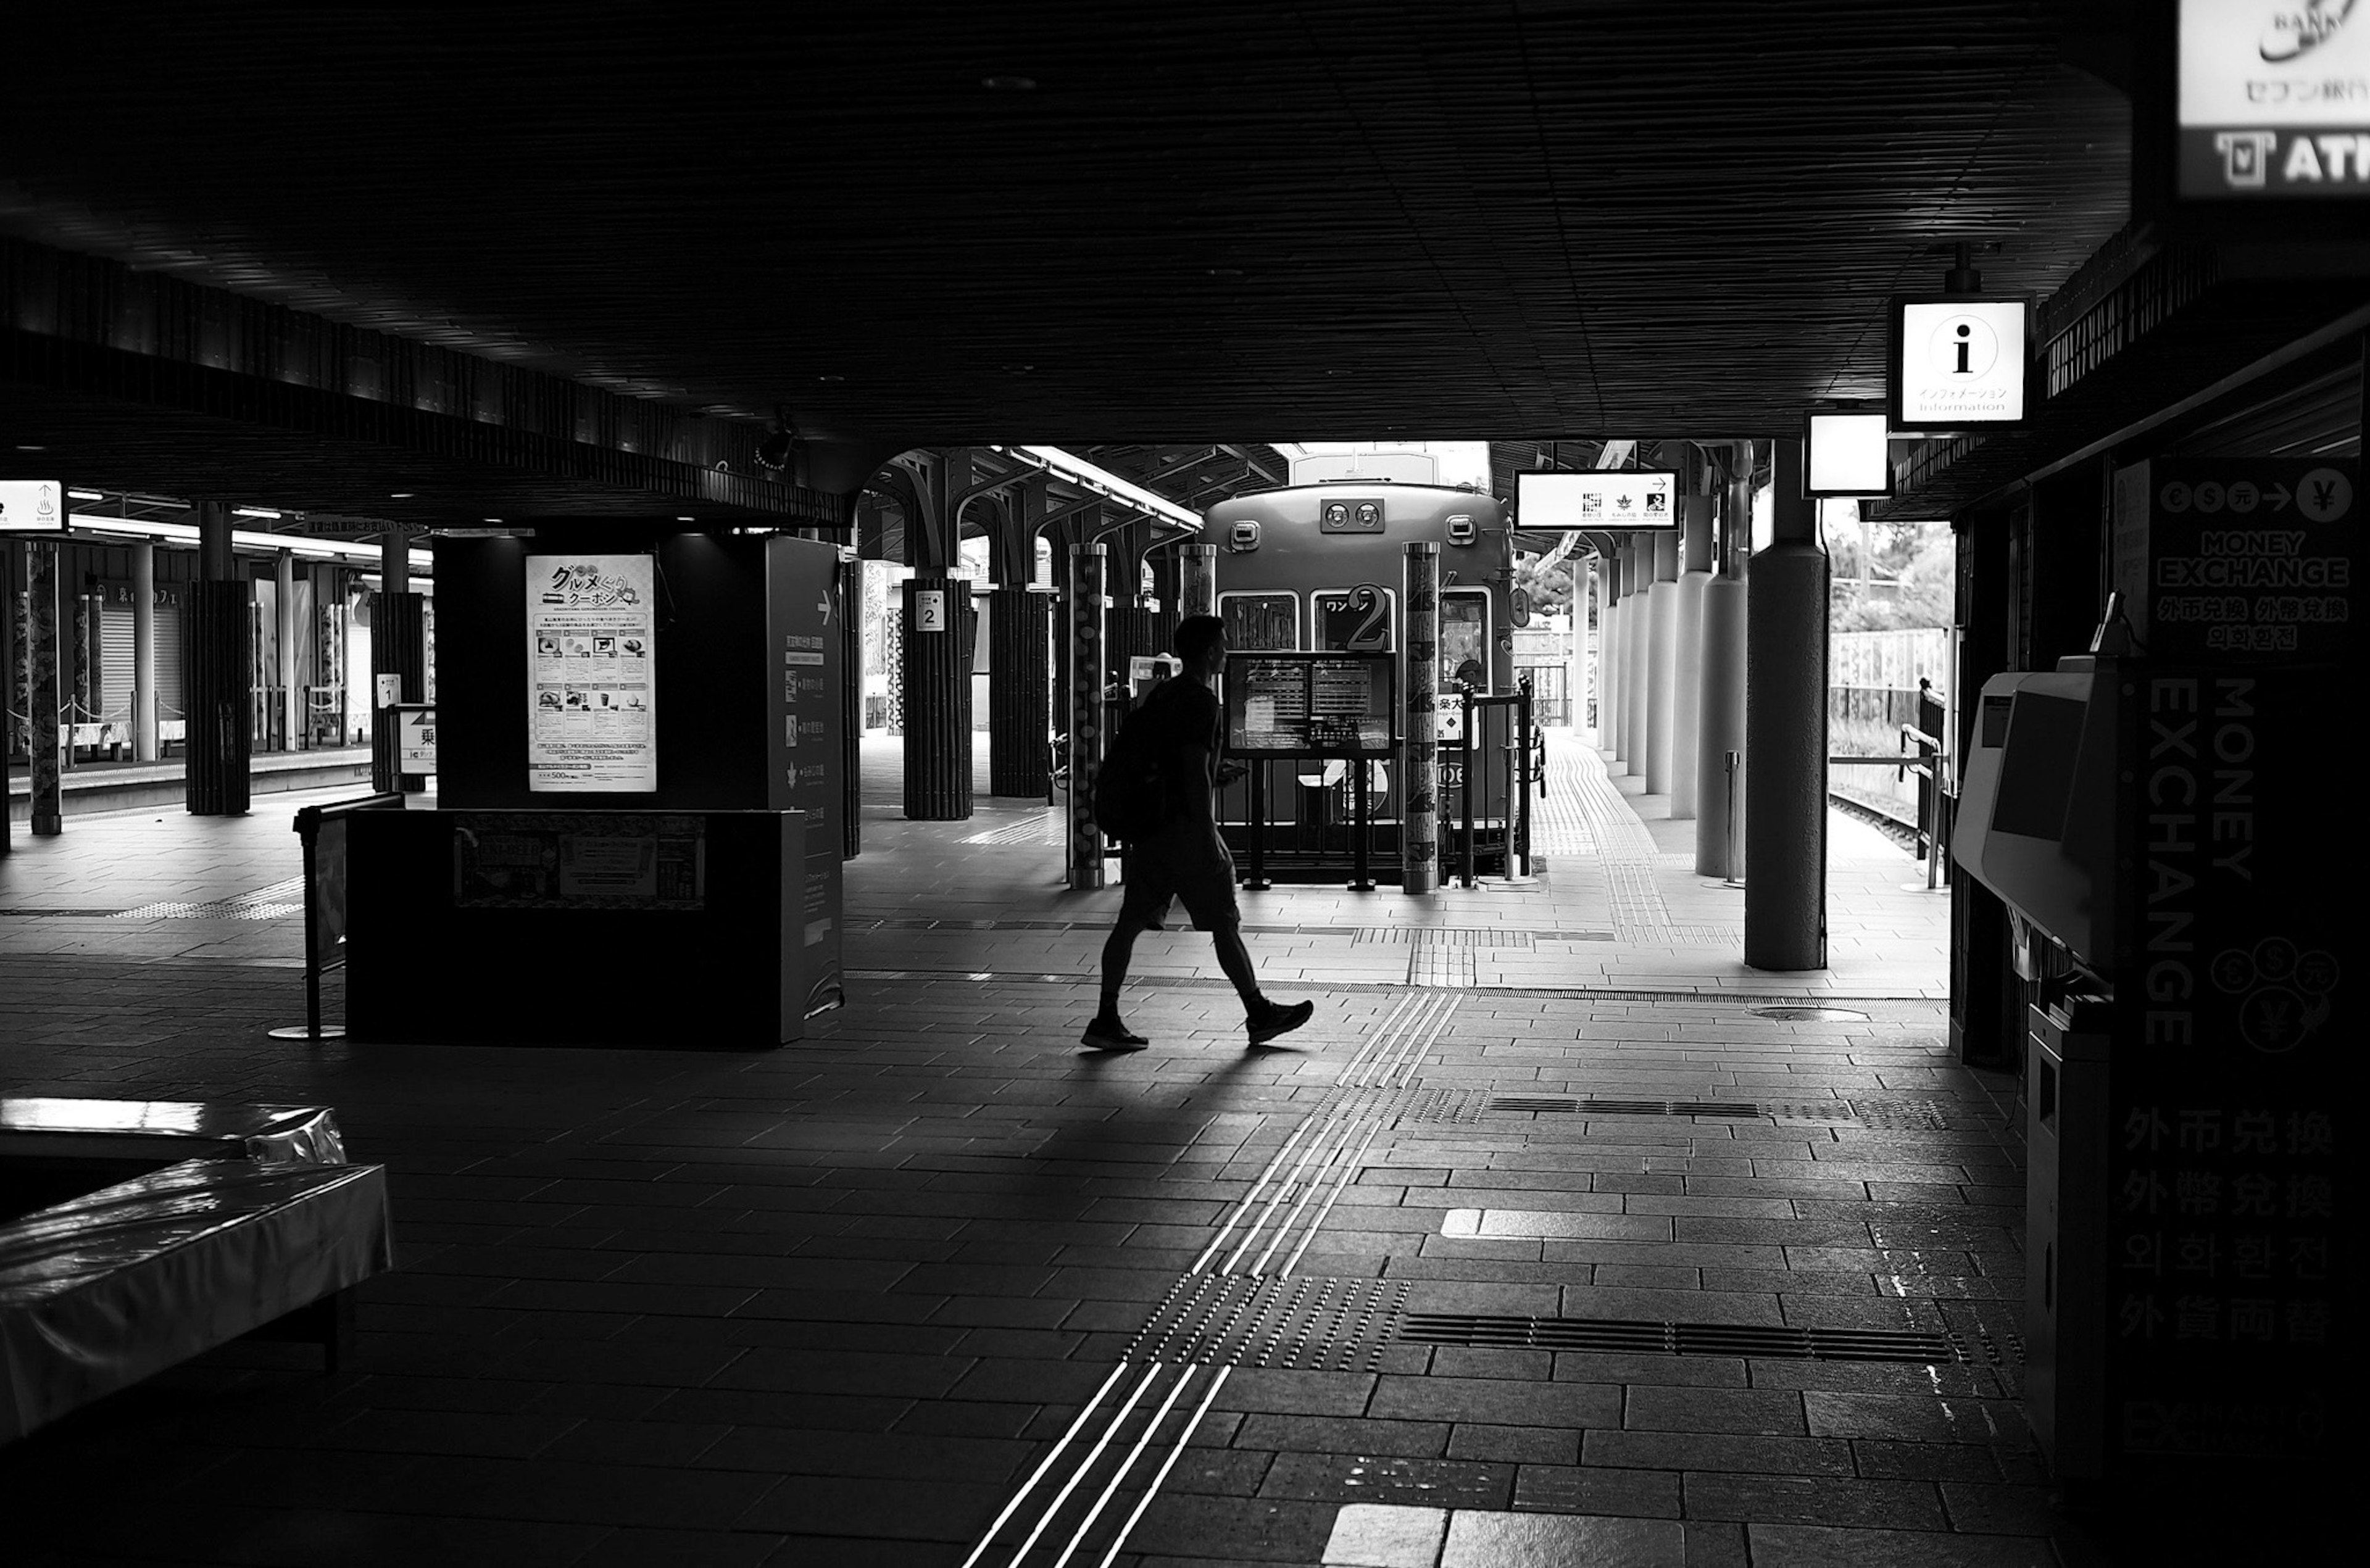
(1306, 1324)
(265, 903)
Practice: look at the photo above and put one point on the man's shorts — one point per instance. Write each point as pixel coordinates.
(1198, 874)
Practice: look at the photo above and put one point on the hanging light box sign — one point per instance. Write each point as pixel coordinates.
(1602, 498)
(33, 505)
(1960, 363)
(1846, 454)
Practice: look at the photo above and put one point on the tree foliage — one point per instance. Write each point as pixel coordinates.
(1913, 578)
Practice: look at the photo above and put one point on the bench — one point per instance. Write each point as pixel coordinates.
(136, 1234)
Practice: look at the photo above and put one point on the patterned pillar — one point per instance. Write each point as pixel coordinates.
(938, 698)
(398, 648)
(44, 693)
(1420, 754)
(217, 664)
(1019, 690)
(1085, 854)
(1197, 579)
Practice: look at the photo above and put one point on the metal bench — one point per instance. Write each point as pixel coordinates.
(140, 1233)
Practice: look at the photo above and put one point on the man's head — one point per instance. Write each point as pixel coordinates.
(1200, 642)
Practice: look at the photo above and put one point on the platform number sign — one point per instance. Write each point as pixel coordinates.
(930, 609)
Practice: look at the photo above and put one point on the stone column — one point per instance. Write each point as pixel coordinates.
(45, 697)
(1616, 587)
(1662, 662)
(291, 701)
(1420, 745)
(1786, 733)
(145, 748)
(1686, 640)
(937, 699)
(1721, 700)
(1084, 852)
(217, 675)
(1641, 573)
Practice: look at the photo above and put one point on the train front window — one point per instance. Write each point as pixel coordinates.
(1261, 622)
(1463, 640)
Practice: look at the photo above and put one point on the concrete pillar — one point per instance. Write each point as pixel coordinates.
(1786, 733)
(145, 748)
(1634, 652)
(1686, 643)
(1719, 851)
(1662, 662)
(937, 654)
(45, 697)
(1085, 854)
(1197, 579)
(217, 680)
(1615, 599)
(291, 701)
(1419, 758)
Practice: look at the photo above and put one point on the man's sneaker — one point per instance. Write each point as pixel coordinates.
(1271, 1019)
(1110, 1035)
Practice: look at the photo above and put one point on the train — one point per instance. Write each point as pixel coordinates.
(1316, 566)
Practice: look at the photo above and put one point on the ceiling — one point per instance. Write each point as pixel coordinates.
(1083, 225)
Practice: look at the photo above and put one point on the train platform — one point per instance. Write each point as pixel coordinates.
(1559, 1236)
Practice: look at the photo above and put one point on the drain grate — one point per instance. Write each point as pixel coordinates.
(1811, 1015)
(1648, 1337)
(1916, 1113)
(1285, 1325)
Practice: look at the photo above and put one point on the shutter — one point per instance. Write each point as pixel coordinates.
(169, 658)
(115, 662)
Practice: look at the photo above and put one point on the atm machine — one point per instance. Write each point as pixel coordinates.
(2162, 830)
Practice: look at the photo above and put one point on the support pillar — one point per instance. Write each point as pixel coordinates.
(1608, 678)
(398, 648)
(937, 654)
(847, 602)
(1419, 760)
(1197, 579)
(1640, 601)
(45, 695)
(1719, 848)
(1686, 643)
(145, 748)
(1084, 855)
(292, 699)
(1021, 690)
(220, 707)
(1786, 733)
(1662, 663)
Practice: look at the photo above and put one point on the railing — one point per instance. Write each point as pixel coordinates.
(1932, 766)
(322, 830)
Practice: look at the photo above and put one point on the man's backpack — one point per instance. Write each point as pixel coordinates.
(1131, 797)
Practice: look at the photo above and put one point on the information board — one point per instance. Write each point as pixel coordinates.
(33, 505)
(1311, 705)
(2238, 555)
(591, 629)
(550, 860)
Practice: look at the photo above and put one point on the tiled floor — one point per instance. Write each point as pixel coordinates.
(934, 1278)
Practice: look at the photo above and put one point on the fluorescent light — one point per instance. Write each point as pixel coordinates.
(296, 545)
(1079, 471)
(85, 495)
(267, 513)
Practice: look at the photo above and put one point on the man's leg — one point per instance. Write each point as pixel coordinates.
(1105, 1031)
(1235, 960)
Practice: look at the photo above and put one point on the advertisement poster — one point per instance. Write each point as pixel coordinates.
(558, 861)
(2273, 100)
(590, 626)
(2236, 557)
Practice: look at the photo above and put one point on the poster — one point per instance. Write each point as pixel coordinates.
(589, 626)
(596, 860)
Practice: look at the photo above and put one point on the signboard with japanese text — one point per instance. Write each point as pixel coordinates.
(1623, 499)
(807, 697)
(33, 506)
(2229, 1127)
(2237, 557)
(1959, 364)
(549, 860)
(2271, 101)
(591, 694)
(414, 738)
(1310, 704)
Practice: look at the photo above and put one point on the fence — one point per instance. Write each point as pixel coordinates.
(1871, 691)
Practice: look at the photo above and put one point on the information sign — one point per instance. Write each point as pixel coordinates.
(2239, 555)
(1310, 704)
(415, 742)
(591, 625)
(565, 861)
(33, 506)
(1625, 499)
(929, 610)
(1959, 364)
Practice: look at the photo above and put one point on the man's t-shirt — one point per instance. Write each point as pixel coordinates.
(1187, 720)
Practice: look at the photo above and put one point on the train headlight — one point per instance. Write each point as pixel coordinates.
(1461, 530)
(1244, 536)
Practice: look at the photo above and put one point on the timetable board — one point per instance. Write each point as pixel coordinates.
(1310, 703)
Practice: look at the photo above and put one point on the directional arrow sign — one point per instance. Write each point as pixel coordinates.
(2279, 496)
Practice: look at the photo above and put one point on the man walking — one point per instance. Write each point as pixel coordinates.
(1186, 860)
